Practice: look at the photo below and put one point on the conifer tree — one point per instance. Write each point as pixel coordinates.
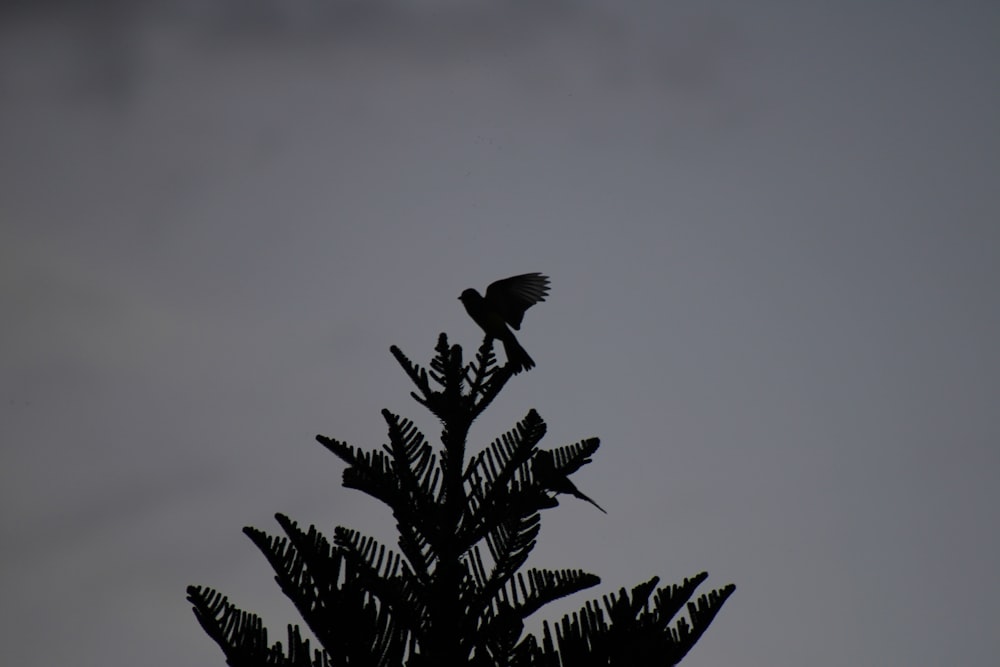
(457, 591)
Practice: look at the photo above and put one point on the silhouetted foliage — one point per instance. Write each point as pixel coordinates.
(457, 591)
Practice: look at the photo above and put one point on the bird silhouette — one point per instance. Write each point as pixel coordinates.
(556, 480)
(504, 304)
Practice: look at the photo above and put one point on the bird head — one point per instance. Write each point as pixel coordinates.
(468, 296)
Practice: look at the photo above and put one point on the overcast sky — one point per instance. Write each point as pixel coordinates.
(773, 232)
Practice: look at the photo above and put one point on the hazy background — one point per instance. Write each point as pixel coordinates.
(772, 231)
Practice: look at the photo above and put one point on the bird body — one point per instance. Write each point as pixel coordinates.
(504, 304)
(558, 481)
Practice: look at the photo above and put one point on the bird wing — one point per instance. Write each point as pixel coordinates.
(512, 296)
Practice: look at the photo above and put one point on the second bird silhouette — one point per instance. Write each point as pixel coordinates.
(504, 304)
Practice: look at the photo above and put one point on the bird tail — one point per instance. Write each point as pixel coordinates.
(517, 357)
(582, 496)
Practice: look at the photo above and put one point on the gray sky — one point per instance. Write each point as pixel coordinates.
(772, 231)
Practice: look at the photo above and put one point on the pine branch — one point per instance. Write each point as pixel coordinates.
(243, 637)
(496, 638)
(377, 474)
(296, 583)
(502, 620)
(344, 616)
(367, 471)
(671, 599)
(509, 543)
(486, 378)
(419, 552)
(701, 614)
(309, 575)
(418, 375)
(386, 576)
(570, 458)
(445, 366)
(446, 372)
(491, 473)
(522, 496)
(414, 464)
(528, 592)
(478, 372)
(625, 632)
(373, 562)
(497, 463)
(491, 613)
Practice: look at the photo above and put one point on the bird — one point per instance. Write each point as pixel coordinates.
(558, 481)
(504, 304)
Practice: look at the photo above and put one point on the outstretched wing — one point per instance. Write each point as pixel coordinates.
(512, 296)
